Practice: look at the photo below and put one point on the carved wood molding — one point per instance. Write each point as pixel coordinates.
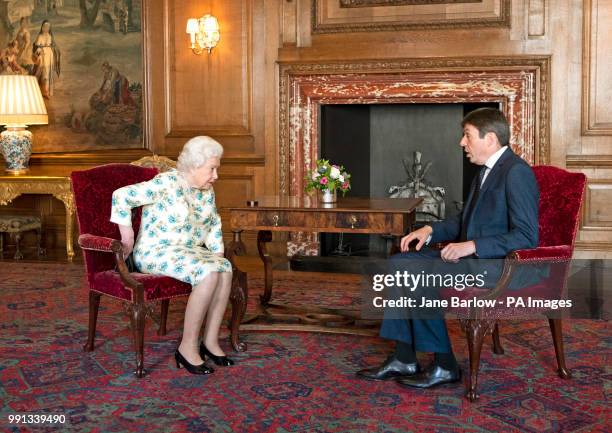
(588, 161)
(594, 246)
(305, 86)
(372, 3)
(590, 29)
(80, 158)
(501, 20)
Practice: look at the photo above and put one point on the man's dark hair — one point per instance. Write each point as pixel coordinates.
(489, 120)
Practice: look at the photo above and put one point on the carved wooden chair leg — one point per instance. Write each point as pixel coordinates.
(94, 305)
(165, 304)
(475, 330)
(556, 329)
(497, 347)
(137, 318)
(238, 298)
(17, 238)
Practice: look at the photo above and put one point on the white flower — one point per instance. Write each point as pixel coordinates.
(315, 175)
(341, 178)
(334, 173)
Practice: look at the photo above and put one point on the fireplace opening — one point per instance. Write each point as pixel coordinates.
(378, 144)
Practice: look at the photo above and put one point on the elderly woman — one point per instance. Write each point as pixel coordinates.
(180, 236)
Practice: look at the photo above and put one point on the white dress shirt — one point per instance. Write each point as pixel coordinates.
(491, 163)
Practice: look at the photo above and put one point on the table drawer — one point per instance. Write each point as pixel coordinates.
(272, 218)
(352, 220)
(326, 221)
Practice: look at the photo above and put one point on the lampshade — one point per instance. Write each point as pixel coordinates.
(210, 24)
(21, 102)
(192, 26)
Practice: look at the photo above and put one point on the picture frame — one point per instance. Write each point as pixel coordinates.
(107, 119)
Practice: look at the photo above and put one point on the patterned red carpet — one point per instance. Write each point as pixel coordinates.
(286, 382)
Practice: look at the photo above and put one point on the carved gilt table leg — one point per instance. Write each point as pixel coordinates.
(263, 237)
(68, 199)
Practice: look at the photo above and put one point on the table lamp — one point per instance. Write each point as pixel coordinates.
(21, 104)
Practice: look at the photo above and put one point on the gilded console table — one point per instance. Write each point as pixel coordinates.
(40, 180)
(394, 217)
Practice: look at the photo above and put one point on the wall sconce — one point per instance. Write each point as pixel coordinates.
(21, 104)
(204, 33)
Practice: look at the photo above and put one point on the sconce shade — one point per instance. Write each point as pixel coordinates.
(192, 26)
(204, 33)
(21, 102)
(210, 24)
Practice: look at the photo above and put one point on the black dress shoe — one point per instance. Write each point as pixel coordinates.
(434, 375)
(218, 360)
(389, 369)
(193, 369)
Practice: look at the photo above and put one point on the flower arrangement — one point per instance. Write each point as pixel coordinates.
(329, 177)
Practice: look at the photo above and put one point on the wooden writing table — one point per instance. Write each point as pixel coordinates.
(39, 180)
(394, 217)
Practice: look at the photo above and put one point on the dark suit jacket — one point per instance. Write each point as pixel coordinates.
(506, 214)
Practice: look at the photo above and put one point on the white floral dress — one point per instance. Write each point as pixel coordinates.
(180, 232)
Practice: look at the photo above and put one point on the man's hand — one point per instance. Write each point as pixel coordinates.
(421, 234)
(453, 252)
(127, 239)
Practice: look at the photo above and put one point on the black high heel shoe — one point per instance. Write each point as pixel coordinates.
(218, 360)
(193, 369)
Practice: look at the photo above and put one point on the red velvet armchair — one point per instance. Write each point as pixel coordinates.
(106, 270)
(561, 195)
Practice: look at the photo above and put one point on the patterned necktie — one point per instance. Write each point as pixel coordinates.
(472, 204)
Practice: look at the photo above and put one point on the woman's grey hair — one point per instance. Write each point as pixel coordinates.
(197, 151)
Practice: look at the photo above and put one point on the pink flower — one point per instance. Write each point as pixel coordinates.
(323, 180)
(345, 185)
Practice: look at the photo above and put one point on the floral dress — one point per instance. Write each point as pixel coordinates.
(180, 233)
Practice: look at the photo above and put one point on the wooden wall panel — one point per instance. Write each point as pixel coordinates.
(210, 93)
(597, 212)
(537, 18)
(214, 94)
(597, 68)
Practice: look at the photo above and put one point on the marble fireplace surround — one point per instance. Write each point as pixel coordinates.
(520, 84)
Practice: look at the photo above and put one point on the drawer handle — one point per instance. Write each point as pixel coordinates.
(275, 219)
(353, 220)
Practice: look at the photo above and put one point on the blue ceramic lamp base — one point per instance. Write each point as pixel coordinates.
(16, 146)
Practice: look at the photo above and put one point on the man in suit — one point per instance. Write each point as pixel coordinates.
(500, 215)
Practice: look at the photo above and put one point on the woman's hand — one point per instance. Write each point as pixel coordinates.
(127, 239)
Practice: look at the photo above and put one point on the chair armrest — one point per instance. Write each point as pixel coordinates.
(559, 253)
(110, 245)
(99, 243)
(542, 254)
